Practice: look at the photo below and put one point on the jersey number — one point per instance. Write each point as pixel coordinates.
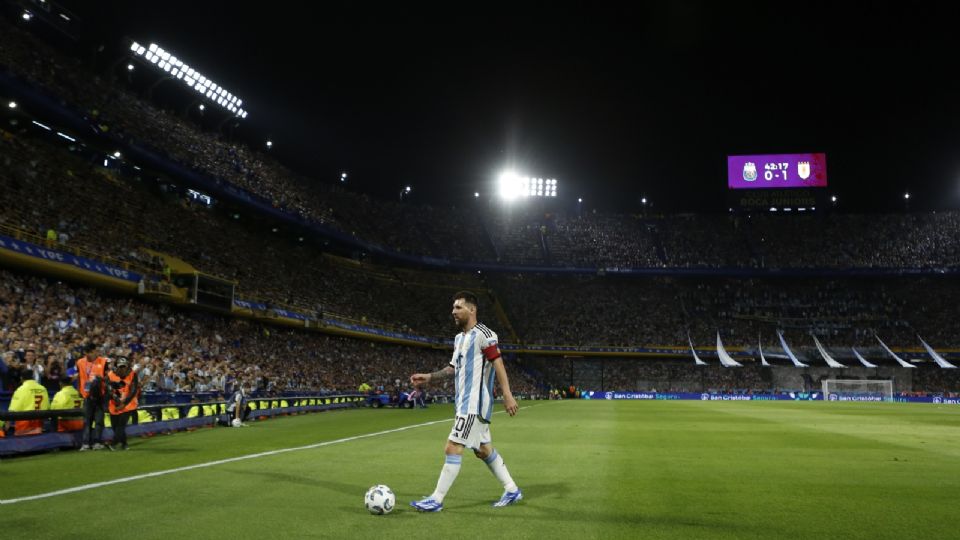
(462, 428)
(37, 402)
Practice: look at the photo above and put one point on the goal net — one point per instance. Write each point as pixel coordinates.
(857, 390)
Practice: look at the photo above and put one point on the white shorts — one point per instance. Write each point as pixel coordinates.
(470, 431)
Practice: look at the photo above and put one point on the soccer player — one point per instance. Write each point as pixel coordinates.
(476, 360)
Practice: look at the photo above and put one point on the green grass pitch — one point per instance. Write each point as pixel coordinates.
(595, 469)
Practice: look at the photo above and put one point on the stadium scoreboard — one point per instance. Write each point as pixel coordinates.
(777, 182)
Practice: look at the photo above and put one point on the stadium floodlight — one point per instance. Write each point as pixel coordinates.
(407, 189)
(202, 107)
(833, 198)
(175, 66)
(116, 154)
(512, 186)
(129, 67)
(26, 15)
(12, 104)
(906, 196)
(579, 199)
(343, 177)
(476, 194)
(269, 143)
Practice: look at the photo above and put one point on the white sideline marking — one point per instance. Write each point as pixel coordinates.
(86, 487)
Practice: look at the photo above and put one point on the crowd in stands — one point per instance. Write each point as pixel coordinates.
(924, 240)
(664, 311)
(45, 324)
(80, 201)
(108, 213)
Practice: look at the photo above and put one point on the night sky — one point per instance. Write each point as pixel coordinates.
(617, 103)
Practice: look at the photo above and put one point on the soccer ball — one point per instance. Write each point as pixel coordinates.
(379, 500)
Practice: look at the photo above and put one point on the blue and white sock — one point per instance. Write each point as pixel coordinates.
(451, 468)
(495, 464)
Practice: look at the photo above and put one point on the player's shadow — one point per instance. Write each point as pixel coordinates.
(348, 491)
(553, 489)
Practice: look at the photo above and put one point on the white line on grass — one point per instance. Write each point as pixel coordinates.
(86, 487)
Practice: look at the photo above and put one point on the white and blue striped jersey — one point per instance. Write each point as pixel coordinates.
(472, 352)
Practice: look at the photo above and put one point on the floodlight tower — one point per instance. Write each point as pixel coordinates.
(514, 186)
(174, 68)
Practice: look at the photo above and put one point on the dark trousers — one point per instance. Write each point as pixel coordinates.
(93, 408)
(119, 424)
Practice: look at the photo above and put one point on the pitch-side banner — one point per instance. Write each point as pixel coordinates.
(702, 396)
(785, 396)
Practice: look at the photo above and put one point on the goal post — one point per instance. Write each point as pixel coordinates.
(857, 390)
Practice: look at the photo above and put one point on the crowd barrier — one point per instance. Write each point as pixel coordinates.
(53, 440)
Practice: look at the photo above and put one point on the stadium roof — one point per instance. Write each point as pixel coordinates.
(615, 102)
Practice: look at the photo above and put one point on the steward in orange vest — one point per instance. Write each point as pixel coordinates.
(91, 369)
(124, 393)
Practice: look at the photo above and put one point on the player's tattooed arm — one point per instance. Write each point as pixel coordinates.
(441, 374)
(424, 378)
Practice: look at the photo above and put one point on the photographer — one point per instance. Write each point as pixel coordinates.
(124, 391)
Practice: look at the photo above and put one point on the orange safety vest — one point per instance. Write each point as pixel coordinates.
(124, 393)
(89, 369)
